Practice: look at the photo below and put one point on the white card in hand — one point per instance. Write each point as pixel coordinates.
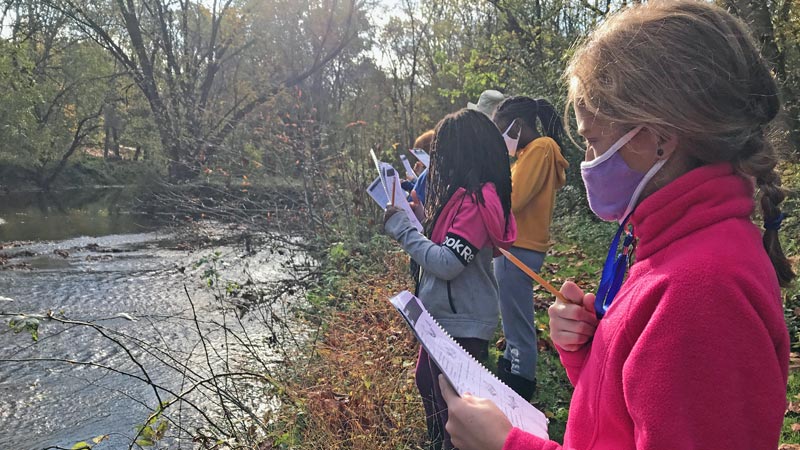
(409, 171)
(421, 156)
(378, 193)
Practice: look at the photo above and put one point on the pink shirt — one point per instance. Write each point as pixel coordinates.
(481, 224)
(694, 351)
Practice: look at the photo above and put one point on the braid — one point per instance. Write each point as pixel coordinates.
(757, 158)
(439, 189)
(759, 162)
(552, 124)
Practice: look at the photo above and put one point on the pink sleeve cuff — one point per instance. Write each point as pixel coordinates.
(520, 440)
(573, 361)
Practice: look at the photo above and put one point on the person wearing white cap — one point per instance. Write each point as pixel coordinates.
(487, 102)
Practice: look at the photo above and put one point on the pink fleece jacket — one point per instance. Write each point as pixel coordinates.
(694, 351)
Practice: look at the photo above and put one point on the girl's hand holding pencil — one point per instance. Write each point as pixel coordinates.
(572, 325)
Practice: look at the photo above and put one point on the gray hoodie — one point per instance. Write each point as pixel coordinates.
(457, 283)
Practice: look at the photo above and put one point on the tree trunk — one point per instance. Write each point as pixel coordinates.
(106, 142)
(115, 139)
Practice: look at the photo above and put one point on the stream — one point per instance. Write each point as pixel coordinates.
(130, 302)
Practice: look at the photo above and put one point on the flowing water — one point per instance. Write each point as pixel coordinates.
(124, 287)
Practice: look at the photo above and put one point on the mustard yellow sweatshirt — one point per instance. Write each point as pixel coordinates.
(535, 177)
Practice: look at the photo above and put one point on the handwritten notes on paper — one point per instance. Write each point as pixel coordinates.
(463, 371)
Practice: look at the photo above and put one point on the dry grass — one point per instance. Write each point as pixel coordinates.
(358, 391)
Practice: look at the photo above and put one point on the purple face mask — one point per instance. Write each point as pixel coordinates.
(612, 187)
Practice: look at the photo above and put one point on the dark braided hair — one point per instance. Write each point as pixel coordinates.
(529, 111)
(467, 151)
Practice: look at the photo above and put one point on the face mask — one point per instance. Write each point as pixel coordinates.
(611, 186)
(511, 143)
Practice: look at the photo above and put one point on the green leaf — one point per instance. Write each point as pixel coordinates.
(146, 432)
(25, 323)
(162, 428)
(145, 442)
(81, 445)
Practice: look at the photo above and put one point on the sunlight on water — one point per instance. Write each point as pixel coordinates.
(134, 285)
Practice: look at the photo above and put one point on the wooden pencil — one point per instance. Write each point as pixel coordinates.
(394, 187)
(535, 276)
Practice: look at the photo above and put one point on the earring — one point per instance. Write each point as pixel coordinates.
(660, 152)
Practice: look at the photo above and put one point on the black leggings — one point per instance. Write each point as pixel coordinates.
(427, 378)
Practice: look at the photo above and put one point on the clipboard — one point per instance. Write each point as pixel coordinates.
(409, 171)
(462, 371)
(422, 156)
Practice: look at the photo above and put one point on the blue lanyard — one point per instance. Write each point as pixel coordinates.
(613, 270)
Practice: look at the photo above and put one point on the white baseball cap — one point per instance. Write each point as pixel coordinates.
(487, 102)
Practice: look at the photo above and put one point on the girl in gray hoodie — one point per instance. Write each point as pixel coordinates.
(467, 217)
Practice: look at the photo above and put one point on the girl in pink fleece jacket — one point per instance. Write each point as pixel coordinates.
(692, 351)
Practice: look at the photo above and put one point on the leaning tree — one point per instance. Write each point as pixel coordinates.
(203, 66)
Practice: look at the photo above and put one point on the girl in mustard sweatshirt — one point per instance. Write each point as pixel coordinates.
(536, 175)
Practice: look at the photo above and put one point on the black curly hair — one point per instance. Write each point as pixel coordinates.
(467, 151)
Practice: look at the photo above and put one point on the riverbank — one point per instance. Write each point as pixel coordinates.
(357, 391)
(82, 172)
